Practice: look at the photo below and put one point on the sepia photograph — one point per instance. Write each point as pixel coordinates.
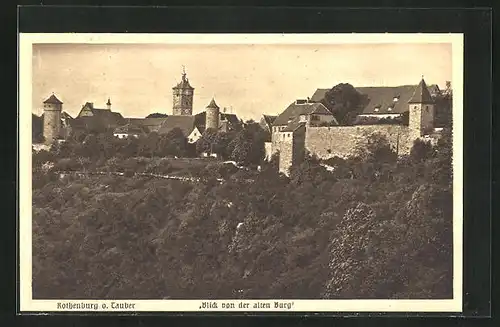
(278, 172)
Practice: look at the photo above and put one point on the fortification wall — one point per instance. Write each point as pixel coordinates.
(286, 155)
(276, 139)
(342, 141)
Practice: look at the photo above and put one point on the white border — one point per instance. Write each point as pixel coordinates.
(25, 196)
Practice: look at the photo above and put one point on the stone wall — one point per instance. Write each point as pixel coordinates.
(341, 141)
(292, 149)
(276, 139)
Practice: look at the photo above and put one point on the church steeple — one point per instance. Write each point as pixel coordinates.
(183, 96)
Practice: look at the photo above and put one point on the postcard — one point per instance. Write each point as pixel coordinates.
(240, 172)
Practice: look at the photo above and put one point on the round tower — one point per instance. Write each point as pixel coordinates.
(52, 108)
(212, 115)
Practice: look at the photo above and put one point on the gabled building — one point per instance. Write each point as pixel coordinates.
(128, 131)
(266, 122)
(308, 126)
(148, 124)
(103, 116)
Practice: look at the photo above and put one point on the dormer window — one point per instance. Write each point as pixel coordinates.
(389, 109)
(396, 98)
(300, 101)
(377, 108)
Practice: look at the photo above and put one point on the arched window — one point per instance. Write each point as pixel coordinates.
(427, 109)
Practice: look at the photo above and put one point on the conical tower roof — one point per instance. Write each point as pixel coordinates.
(421, 94)
(212, 104)
(53, 100)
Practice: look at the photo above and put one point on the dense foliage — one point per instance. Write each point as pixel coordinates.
(374, 227)
(345, 102)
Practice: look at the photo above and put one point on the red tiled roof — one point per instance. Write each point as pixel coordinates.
(185, 123)
(150, 124)
(130, 129)
(269, 119)
(293, 126)
(382, 97)
(294, 110)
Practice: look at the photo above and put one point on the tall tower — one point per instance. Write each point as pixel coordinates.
(212, 115)
(183, 97)
(421, 115)
(52, 108)
(108, 104)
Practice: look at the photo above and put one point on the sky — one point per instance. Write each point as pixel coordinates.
(250, 79)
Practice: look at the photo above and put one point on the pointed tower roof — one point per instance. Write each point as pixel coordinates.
(212, 104)
(53, 100)
(421, 94)
(184, 83)
(109, 102)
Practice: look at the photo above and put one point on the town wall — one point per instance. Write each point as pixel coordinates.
(286, 155)
(342, 141)
(292, 149)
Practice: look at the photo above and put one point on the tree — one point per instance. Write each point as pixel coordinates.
(248, 145)
(221, 143)
(174, 143)
(345, 102)
(156, 115)
(377, 149)
(148, 145)
(421, 150)
(205, 142)
(443, 106)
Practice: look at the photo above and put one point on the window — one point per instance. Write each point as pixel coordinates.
(396, 98)
(389, 109)
(427, 109)
(314, 117)
(376, 109)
